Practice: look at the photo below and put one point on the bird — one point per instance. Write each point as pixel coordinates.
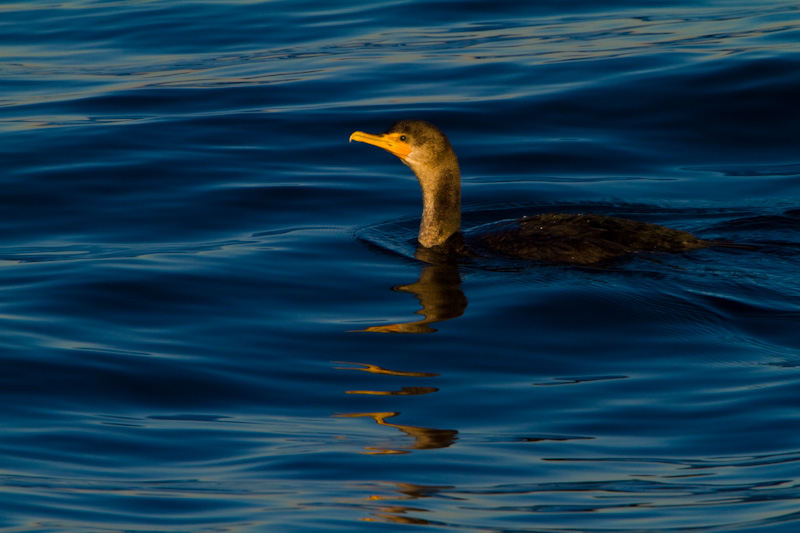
(563, 238)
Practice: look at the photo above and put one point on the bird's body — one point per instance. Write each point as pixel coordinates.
(579, 238)
(557, 238)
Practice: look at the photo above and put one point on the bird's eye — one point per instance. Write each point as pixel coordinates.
(403, 138)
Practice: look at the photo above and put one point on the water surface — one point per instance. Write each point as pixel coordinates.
(191, 252)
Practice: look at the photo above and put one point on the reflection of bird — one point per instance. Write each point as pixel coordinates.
(561, 238)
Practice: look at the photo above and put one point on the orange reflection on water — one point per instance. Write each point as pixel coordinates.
(438, 290)
(424, 438)
(396, 512)
(375, 369)
(404, 391)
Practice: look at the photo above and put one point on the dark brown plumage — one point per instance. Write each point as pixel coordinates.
(560, 238)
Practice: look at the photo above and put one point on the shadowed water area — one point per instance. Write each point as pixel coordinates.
(215, 315)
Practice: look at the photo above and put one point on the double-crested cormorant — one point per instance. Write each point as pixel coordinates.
(560, 238)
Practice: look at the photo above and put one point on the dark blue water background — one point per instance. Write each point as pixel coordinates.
(189, 242)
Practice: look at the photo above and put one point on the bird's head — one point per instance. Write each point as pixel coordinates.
(417, 143)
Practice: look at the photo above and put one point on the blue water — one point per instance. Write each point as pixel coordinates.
(191, 251)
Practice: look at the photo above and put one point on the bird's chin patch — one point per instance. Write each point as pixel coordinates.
(410, 161)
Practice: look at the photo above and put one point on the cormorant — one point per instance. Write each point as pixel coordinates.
(582, 239)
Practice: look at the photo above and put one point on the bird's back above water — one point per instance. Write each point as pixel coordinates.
(578, 238)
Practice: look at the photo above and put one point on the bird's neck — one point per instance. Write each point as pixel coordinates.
(441, 206)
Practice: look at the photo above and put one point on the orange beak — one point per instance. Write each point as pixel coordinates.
(388, 141)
